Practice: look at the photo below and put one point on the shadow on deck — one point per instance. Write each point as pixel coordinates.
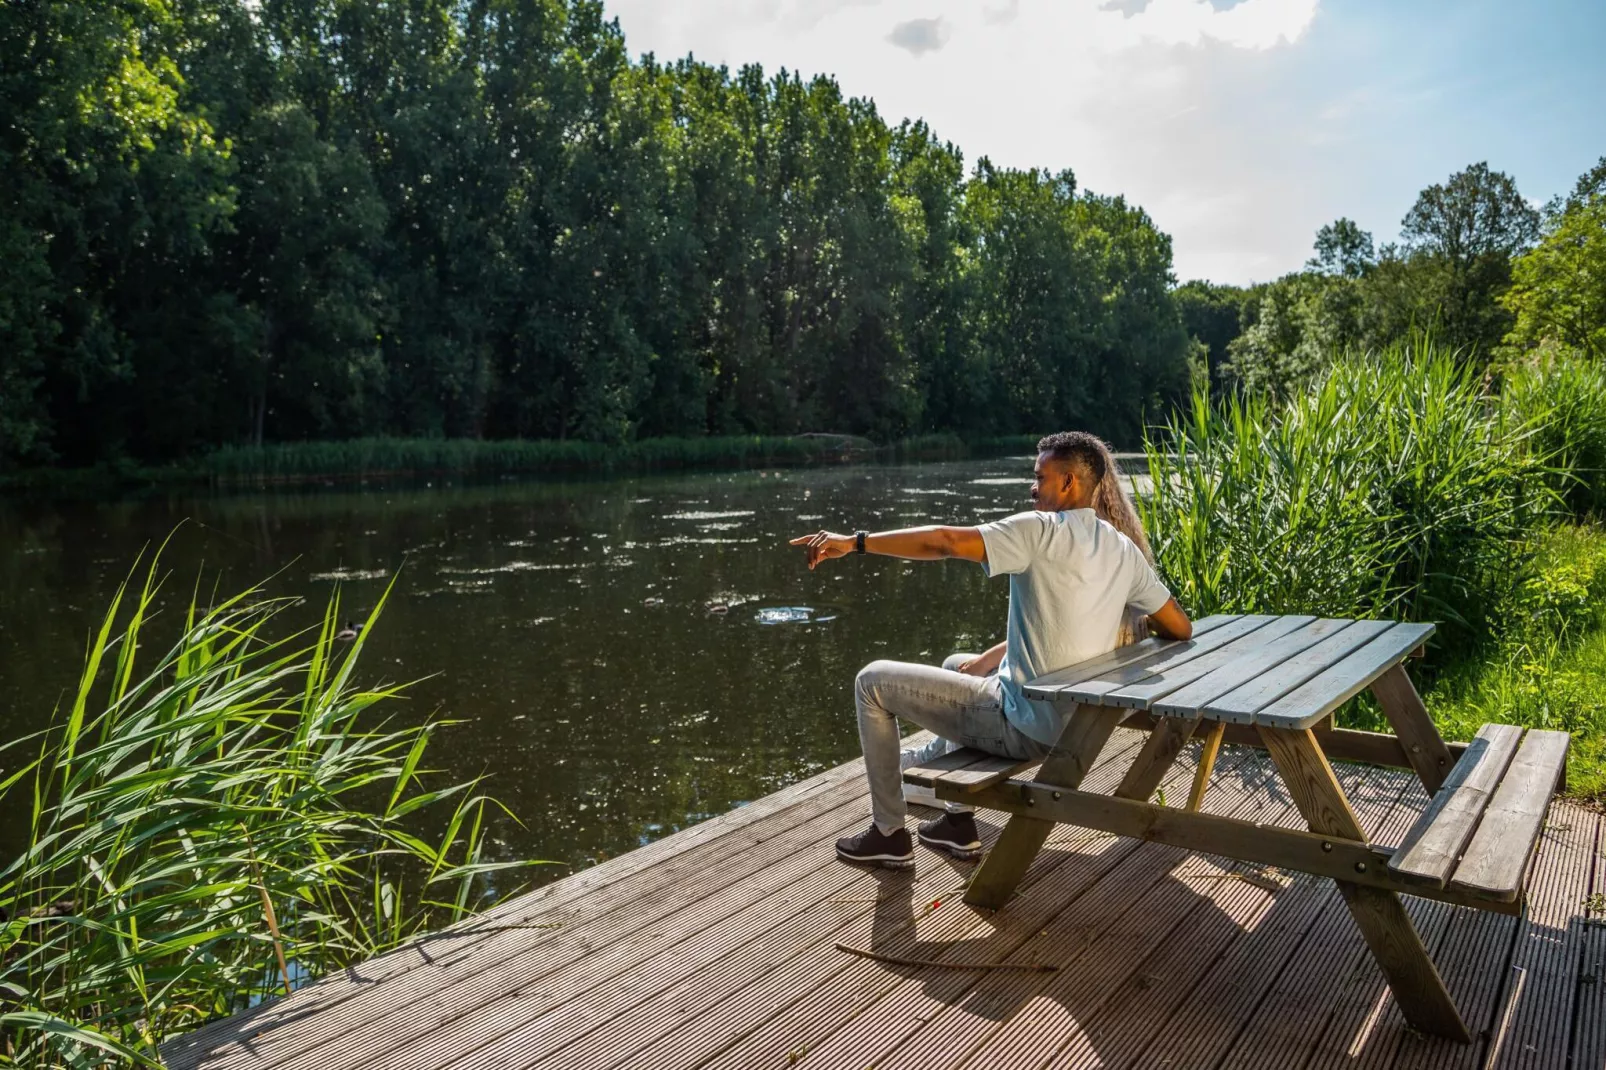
(719, 947)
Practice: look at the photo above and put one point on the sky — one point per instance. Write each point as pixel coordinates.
(1241, 127)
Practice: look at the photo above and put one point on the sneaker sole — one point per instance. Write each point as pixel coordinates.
(956, 849)
(886, 861)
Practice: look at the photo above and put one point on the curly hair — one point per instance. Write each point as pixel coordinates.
(1110, 500)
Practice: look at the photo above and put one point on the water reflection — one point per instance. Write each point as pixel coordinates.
(627, 657)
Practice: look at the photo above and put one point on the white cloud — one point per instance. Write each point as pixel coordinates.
(1178, 104)
(919, 36)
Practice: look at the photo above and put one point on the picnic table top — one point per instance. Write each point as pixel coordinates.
(1263, 669)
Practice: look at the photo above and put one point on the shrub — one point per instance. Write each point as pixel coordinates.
(1387, 489)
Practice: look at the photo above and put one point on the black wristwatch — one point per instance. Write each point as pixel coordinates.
(858, 541)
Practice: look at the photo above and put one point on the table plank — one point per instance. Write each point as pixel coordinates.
(1330, 689)
(1047, 686)
(1141, 694)
(1094, 688)
(1434, 843)
(1239, 706)
(1192, 699)
(1495, 859)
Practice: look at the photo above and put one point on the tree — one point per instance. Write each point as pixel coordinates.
(1343, 248)
(1558, 292)
(1213, 315)
(1470, 227)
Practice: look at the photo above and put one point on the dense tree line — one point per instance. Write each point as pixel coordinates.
(243, 221)
(1478, 268)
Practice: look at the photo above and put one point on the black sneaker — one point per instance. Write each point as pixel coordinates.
(875, 848)
(954, 833)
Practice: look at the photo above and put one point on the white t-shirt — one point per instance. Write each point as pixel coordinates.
(1071, 577)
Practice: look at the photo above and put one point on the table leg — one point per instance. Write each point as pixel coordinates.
(1379, 914)
(1165, 742)
(1424, 747)
(1078, 748)
(1207, 763)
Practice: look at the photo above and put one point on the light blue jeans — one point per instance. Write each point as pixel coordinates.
(966, 709)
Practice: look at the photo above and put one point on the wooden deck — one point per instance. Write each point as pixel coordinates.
(717, 947)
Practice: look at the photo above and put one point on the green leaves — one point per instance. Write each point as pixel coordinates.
(1391, 488)
(183, 792)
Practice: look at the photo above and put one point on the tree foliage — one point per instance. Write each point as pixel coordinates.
(243, 221)
(1558, 292)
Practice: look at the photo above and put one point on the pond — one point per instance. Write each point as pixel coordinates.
(626, 657)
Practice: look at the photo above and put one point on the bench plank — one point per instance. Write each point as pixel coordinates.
(1498, 854)
(1093, 689)
(1144, 692)
(1433, 845)
(1239, 706)
(927, 773)
(1193, 699)
(1330, 689)
(992, 769)
(966, 768)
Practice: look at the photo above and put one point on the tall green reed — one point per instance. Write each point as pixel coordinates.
(1561, 398)
(1390, 488)
(211, 823)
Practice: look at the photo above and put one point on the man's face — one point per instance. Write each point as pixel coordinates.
(1051, 485)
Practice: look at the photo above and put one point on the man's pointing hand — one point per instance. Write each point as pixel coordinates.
(823, 546)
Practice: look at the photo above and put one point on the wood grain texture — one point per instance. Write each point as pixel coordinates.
(1409, 718)
(1395, 944)
(1172, 655)
(1331, 688)
(1162, 963)
(1143, 693)
(965, 768)
(1208, 749)
(1240, 705)
(1433, 845)
(1309, 779)
(1076, 752)
(1159, 753)
(1248, 667)
(1049, 685)
(1493, 863)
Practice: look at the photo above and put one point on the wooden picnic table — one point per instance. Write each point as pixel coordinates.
(1274, 682)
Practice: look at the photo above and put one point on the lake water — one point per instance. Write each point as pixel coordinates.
(627, 657)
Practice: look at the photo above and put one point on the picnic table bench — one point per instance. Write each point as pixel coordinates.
(1273, 682)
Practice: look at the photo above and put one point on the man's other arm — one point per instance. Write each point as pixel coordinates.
(1170, 622)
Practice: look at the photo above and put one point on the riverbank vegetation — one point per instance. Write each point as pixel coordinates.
(1399, 485)
(382, 458)
(213, 825)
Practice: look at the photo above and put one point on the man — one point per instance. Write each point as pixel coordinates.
(1071, 577)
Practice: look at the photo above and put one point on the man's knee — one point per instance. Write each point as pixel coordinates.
(871, 676)
(953, 661)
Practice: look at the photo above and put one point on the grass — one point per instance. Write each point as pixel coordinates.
(211, 820)
(1548, 664)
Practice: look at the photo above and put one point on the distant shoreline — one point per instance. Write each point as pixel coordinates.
(355, 460)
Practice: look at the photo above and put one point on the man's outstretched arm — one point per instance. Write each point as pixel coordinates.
(931, 543)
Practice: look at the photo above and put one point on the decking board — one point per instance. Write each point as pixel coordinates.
(716, 947)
